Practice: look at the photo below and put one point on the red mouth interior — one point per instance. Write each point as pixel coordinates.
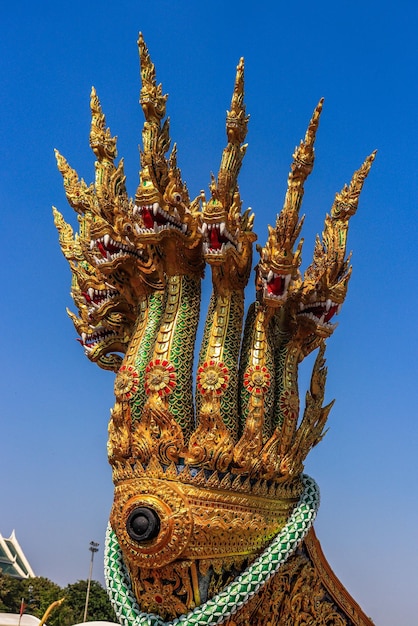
(332, 311)
(97, 298)
(216, 239)
(276, 286)
(105, 249)
(319, 311)
(150, 219)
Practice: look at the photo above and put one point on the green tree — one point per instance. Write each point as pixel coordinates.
(11, 593)
(37, 594)
(43, 592)
(99, 607)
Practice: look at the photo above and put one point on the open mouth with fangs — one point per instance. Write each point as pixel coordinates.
(90, 341)
(276, 285)
(216, 238)
(95, 298)
(320, 312)
(111, 250)
(155, 219)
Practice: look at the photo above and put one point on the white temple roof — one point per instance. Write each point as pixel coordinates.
(12, 558)
(12, 619)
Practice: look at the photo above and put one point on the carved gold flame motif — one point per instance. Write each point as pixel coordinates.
(207, 462)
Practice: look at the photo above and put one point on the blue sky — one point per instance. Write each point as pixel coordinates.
(55, 483)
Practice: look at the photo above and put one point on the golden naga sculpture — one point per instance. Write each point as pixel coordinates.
(212, 516)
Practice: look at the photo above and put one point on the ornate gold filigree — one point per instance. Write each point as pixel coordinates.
(197, 499)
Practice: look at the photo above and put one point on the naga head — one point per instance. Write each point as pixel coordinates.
(325, 282)
(277, 272)
(102, 207)
(278, 275)
(106, 318)
(162, 214)
(165, 217)
(92, 292)
(227, 232)
(162, 211)
(106, 342)
(131, 268)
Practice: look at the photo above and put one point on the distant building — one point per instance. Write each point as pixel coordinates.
(12, 558)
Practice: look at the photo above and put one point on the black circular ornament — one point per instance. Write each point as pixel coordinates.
(143, 524)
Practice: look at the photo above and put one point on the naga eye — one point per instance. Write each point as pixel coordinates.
(127, 229)
(143, 524)
(177, 197)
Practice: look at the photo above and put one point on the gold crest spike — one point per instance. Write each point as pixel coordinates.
(176, 191)
(152, 100)
(302, 165)
(112, 198)
(329, 256)
(346, 202)
(236, 129)
(101, 141)
(69, 243)
(236, 119)
(304, 153)
(79, 195)
(155, 138)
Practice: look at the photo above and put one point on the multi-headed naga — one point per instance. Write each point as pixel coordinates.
(212, 516)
